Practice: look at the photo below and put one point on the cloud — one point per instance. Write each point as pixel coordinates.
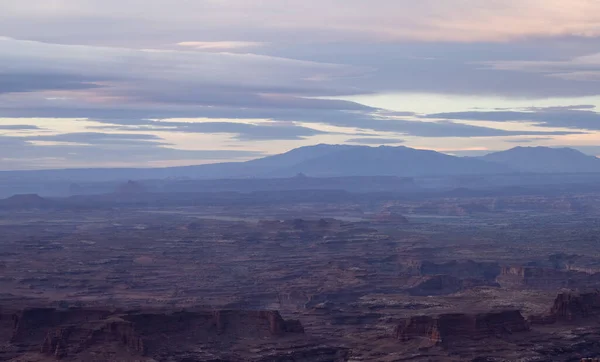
(31, 81)
(240, 131)
(18, 127)
(26, 153)
(347, 119)
(199, 95)
(452, 68)
(164, 80)
(420, 126)
(529, 140)
(375, 140)
(543, 117)
(246, 71)
(220, 45)
(327, 20)
(582, 68)
(248, 132)
(97, 138)
(429, 129)
(561, 108)
(87, 76)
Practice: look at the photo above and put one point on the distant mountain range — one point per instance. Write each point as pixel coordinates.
(344, 160)
(545, 160)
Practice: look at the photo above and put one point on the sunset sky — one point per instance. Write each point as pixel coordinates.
(144, 83)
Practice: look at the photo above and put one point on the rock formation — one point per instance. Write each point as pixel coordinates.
(436, 285)
(73, 339)
(26, 201)
(447, 328)
(570, 307)
(543, 278)
(75, 333)
(573, 306)
(461, 269)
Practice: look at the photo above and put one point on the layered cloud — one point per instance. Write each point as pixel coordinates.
(86, 66)
(18, 127)
(274, 20)
(583, 68)
(220, 45)
(98, 149)
(114, 83)
(375, 141)
(563, 117)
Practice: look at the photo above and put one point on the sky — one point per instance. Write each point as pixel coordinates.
(153, 83)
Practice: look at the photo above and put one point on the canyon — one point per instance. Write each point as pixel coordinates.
(300, 275)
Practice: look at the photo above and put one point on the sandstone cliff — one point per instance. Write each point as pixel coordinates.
(86, 335)
(447, 328)
(543, 278)
(570, 307)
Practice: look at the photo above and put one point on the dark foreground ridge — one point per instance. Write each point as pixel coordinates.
(190, 335)
(446, 328)
(45, 334)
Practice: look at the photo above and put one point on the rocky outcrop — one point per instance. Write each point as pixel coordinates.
(444, 285)
(55, 342)
(73, 339)
(26, 201)
(447, 328)
(436, 285)
(570, 307)
(461, 269)
(419, 327)
(542, 278)
(277, 326)
(73, 332)
(30, 325)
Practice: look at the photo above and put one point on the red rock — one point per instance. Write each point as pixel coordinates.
(419, 327)
(436, 285)
(542, 278)
(446, 328)
(460, 269)
(570, 306)
(67, 333)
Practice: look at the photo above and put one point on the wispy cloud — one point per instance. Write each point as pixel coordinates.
(220, 45)
(375, 141)
(18, 127)
(325, 20)
(581, 119)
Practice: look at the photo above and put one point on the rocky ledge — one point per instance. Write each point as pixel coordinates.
(76, 334)
(446, 328)
(571, 307)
